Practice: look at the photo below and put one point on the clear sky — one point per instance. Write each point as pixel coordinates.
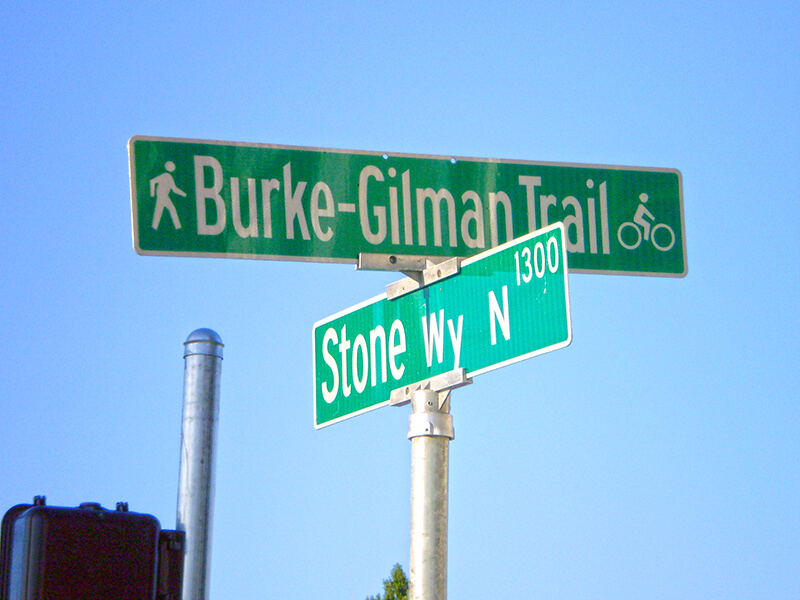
(656, 457)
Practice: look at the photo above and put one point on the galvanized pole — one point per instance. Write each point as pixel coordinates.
(201, 385)
(430, 430)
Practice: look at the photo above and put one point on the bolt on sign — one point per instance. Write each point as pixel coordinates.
(238, 200)
(505, 305)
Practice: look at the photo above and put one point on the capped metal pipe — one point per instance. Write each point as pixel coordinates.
(201, 392)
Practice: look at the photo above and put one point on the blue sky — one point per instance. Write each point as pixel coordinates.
(658, 456)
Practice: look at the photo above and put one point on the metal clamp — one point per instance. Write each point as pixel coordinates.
(441, 383)
(421, 270)
(432, 424)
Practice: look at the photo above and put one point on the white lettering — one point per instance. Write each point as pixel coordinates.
(574, 222)
(321, 188)
(436, 200)
(294, 207)
(344, 346)
(358, 362)
(433, 337)
(394, 210)
(592, 216)
(546, 202)
(397, 345)
(539, 263)
(498, 316)
(455, 338)
(408, 224)
(473, 215)
(329, 392)
(377, 335)
(604, 217)
(494, 200)
(530, 184)
(203, 193)
(252, 229)
(267, 187)
(378, 211)
(360, 375)
(528, 274)
(552, 257)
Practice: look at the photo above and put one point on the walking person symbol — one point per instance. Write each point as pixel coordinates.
(160, 187)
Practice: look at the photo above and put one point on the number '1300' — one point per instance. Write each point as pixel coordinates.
(534, 262)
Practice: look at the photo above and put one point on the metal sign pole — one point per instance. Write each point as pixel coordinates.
(201, 391)
(430, 430)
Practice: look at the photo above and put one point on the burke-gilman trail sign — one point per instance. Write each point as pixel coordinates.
(238, 200)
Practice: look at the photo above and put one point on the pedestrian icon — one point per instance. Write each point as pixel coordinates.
(160, 187)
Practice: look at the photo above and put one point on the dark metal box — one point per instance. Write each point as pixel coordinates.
(57, 553)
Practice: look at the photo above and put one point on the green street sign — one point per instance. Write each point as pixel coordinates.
(236, 200)
(505, 305)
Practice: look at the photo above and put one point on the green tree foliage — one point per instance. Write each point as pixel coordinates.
(394, 588)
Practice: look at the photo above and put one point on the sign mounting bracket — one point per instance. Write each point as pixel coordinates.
(421, 271)
(442, 384)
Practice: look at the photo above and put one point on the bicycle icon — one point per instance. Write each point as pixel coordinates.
(640, 227)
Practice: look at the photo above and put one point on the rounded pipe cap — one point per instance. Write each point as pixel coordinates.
(203, 341)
